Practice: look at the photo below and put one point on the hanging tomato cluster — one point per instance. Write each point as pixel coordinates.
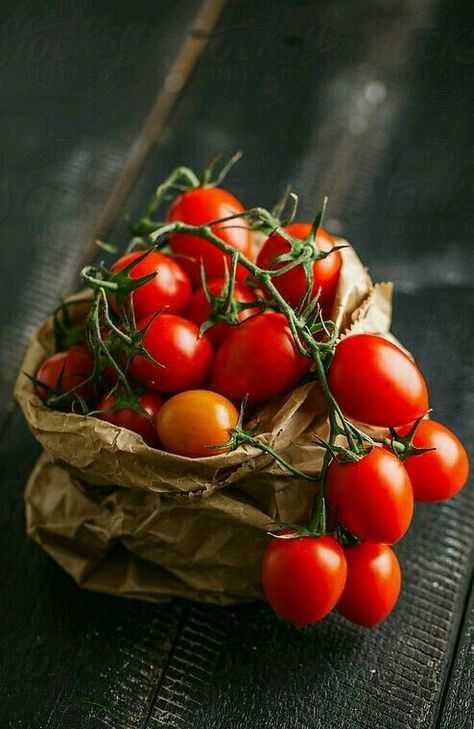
(187, 328)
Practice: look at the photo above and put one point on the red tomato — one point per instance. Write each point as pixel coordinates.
(198, 310)
(175, 343)
(76, 365)
(373, 497)
(128, 418)
(259, 359)
(292, 285)
(171, 287)
(200, 206)
(372, 585)
(191, 421)
(303, 577)
(375, 382)
(439, 474)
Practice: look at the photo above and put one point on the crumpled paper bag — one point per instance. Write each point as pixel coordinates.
(130, 520)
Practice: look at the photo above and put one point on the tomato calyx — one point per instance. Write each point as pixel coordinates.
(57, 397)
(206, 176)
(247, 436)
(302, 252)
(345, 537)
(118, 283)
(66, 333)
(402, 445)
(224, 308)
(126, 399)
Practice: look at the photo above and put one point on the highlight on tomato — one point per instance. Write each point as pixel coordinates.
(170, 289)
(66, 372)
(182, 358)
(441, 473)
(190, 423)
(259, 359)
(303, 577)
(203, 205)
(372, 585)
(371, 497)
(376, 383)
(293, 285)
(118, 409)
(199, 308)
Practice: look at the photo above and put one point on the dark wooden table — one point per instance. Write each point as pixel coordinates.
(367, 101)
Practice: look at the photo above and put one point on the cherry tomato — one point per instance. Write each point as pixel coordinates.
(174, 342)
(438, 474)
(259, 359)
(372, 585)
(373, 497)
(76, 365)
(198, 310)
(127, 417)
(376, 383)
(190, 422)
(171, 287)
(203, 205)
(303, 577)
(293, 284)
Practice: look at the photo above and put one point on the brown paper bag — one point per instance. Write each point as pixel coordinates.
(155, 525)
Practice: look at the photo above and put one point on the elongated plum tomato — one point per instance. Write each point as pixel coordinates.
(292, 285)
(259, 359)
(171, 287)
(67, 370)
(198, 310)
(375, 382)
(438, 474)
(190, 422)
(174, 342)
(372, 585)
(373, 497)
(303, 577)
(203, 205)
(126, 417)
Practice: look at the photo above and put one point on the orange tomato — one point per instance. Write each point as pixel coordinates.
(191, 421)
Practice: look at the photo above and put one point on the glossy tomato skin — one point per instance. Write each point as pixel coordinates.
(376, 383)
(190, 422)
(372, 585)
(259, 359)
(128, 418)
(373, 497)
(303, 577)
(198, 310)
(200, 206)
(77, 365)
(439, 474)
(175, 343)
(171, 287)
(292, 285)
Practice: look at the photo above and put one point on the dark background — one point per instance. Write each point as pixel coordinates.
(368, 102)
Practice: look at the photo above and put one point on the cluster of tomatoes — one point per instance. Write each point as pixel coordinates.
(183, 350)
(369, 493)
(187, 390)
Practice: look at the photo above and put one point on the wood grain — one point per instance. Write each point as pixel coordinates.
(272, 81)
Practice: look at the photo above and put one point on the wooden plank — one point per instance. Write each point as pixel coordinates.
(243, 667)
(458, 705)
